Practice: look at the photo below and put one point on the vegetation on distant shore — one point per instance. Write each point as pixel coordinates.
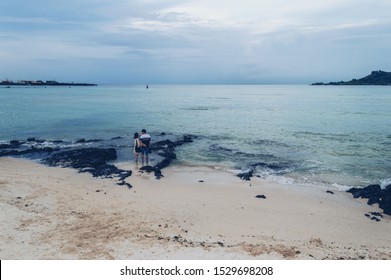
(376, 78)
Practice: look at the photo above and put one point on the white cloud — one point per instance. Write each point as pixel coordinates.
(242, 38)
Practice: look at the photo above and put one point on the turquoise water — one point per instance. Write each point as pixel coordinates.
(333, 136)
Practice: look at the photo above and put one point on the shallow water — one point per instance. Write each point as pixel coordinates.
(336, 136)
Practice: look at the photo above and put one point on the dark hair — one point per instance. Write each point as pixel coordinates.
(143, 130)
(136, 135)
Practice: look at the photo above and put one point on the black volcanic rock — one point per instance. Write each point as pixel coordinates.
(367, 192)
(13, 144)
(249, 172)
(91, 160)
(375, 194)
(165, 149)
(21, 148)
(385, 201)
(379, 78)
(31, 150)
(246, 175)
(147, 168)
(81, 158)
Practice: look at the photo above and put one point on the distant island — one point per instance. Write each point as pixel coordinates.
(376, 78)
(41, 83)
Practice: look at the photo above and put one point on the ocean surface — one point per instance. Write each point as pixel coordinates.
(328, 136)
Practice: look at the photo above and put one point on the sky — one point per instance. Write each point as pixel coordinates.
(194, 41)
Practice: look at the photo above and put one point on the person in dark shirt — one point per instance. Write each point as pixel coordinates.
(136, 146)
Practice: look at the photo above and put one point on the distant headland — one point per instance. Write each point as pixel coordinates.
(376, 78)
(42, 83)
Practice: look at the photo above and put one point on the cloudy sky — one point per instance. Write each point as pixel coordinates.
(194, 41)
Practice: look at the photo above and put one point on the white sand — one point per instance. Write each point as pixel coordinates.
(57, 213)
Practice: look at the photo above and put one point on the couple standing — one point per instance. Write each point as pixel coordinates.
(142, 144)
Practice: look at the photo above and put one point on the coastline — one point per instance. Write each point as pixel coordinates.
(191, 213)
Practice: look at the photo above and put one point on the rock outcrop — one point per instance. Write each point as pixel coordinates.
(375, 194)
(377, 78)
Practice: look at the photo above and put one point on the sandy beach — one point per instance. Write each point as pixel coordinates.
(191, 213)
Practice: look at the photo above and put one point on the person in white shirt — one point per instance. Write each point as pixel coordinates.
(145, 145)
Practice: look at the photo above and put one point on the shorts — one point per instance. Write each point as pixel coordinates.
(145, 150)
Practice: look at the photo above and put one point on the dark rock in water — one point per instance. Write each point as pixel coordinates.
(82, 140)
(375, 194)
(81, 158)
(268, 165)
(169, 154)
(14, 144)
(367, 192)
(92, 160)
(164, 144)
(260, 196)
(33, 139)
(330, 192)
(5, 146)
(188, 138)
(27, 151)
(246, 175)
(373, 200)
(164, 163)
(166, 150)
(385, 202)
(10, 153)
(219, 149)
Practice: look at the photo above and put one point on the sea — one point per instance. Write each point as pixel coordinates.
(336, 137)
